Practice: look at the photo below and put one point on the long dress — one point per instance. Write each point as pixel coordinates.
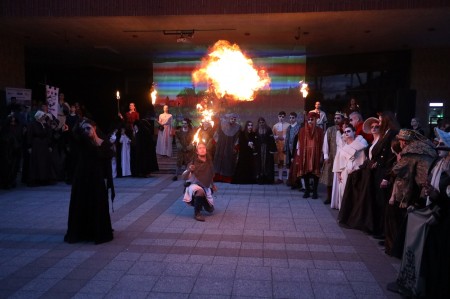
(89, 218)
(38, 140)
(164, 143)
(225, 156)
(146, 161)
(125, 155)
(265, 147)
(245, 167)
(347, 160)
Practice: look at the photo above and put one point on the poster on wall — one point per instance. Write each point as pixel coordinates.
(21, 96)
(52, 99)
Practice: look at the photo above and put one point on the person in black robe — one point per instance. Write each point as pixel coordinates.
(144, 146)
(39, 148)
(245, 167)
(10, 151)
(265, 149)
(436, 255)
(89, 218)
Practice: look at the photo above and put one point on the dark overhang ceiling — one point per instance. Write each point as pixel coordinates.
(121, 43)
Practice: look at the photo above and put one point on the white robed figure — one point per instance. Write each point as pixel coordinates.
(164, 143)
(348, 159)
(125, 154)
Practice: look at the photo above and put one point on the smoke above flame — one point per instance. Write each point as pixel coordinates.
(230, 73)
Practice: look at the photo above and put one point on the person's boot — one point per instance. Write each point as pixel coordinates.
(307, 187)
(315, 185)
(209, 208)
(198, 208)
(175, 177)
(301, 188)
(329, 192)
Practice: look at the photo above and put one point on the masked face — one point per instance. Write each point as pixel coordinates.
(349, 133)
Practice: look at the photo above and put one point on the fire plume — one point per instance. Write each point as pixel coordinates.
(153, 93)
(231, 73)
(206, 114)
(304, 89)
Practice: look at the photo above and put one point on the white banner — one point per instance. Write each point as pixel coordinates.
(22, 95)
(52, 99)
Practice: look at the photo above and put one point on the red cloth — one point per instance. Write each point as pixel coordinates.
(131, 117)
(359, 131)
(310, 140)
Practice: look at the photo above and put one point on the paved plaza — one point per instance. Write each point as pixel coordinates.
(262, 241)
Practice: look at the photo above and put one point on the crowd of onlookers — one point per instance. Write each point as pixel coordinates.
(387, 181)
(38, 147)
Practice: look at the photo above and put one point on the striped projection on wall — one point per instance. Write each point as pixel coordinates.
(173, 78)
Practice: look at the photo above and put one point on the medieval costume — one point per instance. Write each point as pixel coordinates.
(359, 195)
(10, 151)
(310, 139)
(290, 149)
(348, 159)
(265, 148)
(225, 157)
(279, 132)
(245, 172)
(164, 142)
(206, 135)
(184, 138)
(39, 146)
(125, 151)
(145, 154)
(89, 218)
(331, 141)
(436, 257)
(199, 188)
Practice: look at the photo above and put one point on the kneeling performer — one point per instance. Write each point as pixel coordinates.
(199, 183)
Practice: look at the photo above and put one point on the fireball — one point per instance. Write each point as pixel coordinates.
(229, 72)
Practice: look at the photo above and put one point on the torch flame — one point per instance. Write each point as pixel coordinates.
(304, 89)
(196, 138)
(153, 93)
(206, 113)
(230, 72)
(118, 95)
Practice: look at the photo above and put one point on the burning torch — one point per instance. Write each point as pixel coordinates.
(153, 93)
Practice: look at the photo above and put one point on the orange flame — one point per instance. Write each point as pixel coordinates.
(196, 138)
(231, 73)
(206, 113)
(304, 90)
(153, 93)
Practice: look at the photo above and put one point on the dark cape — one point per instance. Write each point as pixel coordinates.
(89, 218)
(225, 156)
(265, 147)
(145, 150)
(39, 141)
(245, 167)
(357, 201)
(10, 154)
(436, 259)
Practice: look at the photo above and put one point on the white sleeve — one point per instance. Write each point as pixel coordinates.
(325, 149)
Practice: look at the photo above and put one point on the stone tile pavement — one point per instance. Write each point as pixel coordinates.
(261, 242)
